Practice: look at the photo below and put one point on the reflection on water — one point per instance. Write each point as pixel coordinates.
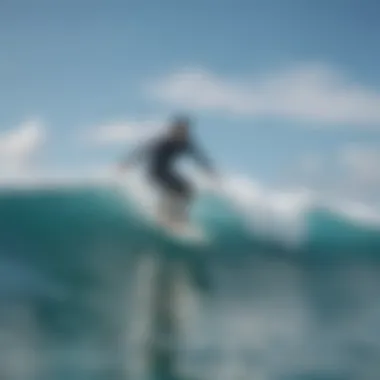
(270, 319)
(88, 292)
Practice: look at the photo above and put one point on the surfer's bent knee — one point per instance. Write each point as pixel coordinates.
(174, 184)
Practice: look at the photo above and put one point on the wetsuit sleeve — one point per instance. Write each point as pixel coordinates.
(200, 157)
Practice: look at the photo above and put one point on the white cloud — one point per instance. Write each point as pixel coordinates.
(18, 146)
(128, 131)
(314, 93)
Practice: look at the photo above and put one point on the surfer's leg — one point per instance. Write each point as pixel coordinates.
(177, 195)
(182, 195)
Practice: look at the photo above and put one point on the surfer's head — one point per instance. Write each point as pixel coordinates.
(180, 128)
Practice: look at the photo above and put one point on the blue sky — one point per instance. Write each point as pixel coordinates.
(282, 90)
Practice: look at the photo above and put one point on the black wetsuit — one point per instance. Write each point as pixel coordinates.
(162, 155)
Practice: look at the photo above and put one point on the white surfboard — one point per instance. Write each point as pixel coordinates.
(149, 211)
(188, 231)
(184, 232)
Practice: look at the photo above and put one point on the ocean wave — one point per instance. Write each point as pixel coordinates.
(81, 261)
(236, 208)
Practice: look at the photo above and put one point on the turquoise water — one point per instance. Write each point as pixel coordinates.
(84, 282)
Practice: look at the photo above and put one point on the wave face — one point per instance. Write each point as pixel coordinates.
(84, 281)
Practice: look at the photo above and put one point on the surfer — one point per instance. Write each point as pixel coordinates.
(161, 154)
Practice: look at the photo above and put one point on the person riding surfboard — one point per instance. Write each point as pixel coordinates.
(161, 155)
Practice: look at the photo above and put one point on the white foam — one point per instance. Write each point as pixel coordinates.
(357, 212)
(281, 213)
(275, 213)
